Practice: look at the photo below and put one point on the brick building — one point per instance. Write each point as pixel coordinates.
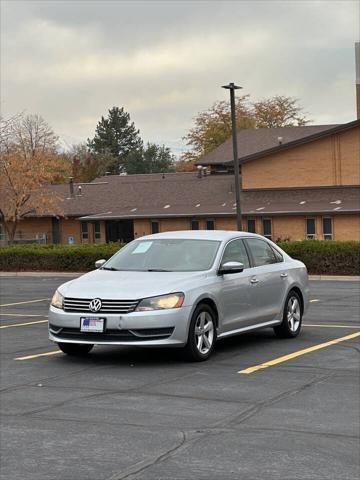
(298, 183)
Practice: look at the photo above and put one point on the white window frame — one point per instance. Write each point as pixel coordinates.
(330, 235)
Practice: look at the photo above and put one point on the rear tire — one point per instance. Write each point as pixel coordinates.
(75, 349)
(292, 317)
(202, 334)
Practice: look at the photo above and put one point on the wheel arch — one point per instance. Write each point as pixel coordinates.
(207, 300)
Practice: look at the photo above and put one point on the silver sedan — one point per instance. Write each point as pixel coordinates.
(182, 289)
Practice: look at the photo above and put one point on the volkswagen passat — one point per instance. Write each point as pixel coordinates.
(182, 289)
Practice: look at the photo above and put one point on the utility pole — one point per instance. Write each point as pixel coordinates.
(238, 180)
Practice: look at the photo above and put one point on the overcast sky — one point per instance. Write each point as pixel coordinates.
(164, 61)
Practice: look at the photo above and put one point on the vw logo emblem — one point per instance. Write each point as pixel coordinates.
(95, 305)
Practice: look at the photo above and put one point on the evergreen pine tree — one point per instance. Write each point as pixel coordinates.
(115, 136)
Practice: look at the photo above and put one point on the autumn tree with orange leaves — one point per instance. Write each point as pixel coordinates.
(29, 161)
(212, 127)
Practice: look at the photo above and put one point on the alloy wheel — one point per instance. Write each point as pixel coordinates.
(204, 332)
(293, 314)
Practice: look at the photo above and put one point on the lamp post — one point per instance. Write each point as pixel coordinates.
(238, 181)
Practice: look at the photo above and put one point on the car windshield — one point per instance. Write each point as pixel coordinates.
(165, 255)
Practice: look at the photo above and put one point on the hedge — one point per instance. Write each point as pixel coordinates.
(60, 258)
(320, 257)
(326, 257)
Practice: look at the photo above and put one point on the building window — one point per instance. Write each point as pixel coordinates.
(194, 224)
(327, 228)
(251, 226)
(2, 232)
(97, 231)
(310, 228)
(84, 232)
(154, 226)
(210, 225)
(267, 227)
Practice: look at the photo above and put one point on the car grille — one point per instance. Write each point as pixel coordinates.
(113, 335)
(107, 306)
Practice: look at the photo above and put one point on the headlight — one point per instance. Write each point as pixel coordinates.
(173, 300)
(57, 300)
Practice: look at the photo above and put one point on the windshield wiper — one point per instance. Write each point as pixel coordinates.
(158, 270)
(110, 268)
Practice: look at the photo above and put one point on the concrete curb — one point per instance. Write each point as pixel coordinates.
(344, 278)
(41, 274)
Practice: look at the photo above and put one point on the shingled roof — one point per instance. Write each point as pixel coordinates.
(186, 195)
(254, 143)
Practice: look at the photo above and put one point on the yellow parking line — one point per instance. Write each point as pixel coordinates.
(285, 358)
(46, 354)
(314, 300)
(23, 324)
(22, 303)
(328, 325)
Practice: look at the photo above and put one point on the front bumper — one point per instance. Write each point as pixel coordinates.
(156, 328)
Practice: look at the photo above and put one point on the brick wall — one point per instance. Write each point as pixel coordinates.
(346, 227)
(69, 227)
(333, 160)
(29, 228)
(141, 227)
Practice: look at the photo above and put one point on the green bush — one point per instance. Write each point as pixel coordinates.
(320, 257)
(61, 258)
(326, 257)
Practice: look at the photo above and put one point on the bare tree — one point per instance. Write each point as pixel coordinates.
(28, 163)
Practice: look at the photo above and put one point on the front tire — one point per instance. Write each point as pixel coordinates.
(202, 334)
(292, 317)
(75, 349)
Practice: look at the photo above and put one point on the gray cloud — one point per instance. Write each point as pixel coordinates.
(165, 60)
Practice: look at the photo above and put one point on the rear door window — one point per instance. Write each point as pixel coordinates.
(261, 252)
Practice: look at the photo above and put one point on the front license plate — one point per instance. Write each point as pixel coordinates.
(92, 324)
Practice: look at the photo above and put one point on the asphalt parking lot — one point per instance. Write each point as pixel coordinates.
(125, 413)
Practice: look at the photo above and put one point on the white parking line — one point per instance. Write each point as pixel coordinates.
(23, 324)
(314, 300)
(328, 325)
(19, 315)
(28, 301)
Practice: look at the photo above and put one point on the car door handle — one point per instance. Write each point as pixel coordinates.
(283, 275)
(254, 280)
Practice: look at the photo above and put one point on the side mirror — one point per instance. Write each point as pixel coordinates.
(231, 267)
(99, 263)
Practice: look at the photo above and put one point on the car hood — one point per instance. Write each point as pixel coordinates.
(124, 285)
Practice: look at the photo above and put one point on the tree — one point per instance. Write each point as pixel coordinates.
(115, 137)
(33, 136)
(278, 111)
(184, 166)
(28, 162)
(151, 159)
(212, 127)
(86, 166)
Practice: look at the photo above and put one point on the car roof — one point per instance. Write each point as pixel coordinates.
(219, 235)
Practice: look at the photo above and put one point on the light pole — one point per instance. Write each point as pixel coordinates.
(238, 181)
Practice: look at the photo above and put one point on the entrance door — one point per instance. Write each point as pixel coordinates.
(119, 230)
(55, 227)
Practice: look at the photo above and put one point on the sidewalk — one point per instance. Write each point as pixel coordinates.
(344, 278)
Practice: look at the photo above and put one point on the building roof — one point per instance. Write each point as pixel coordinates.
(255, 143)
(186, 195)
